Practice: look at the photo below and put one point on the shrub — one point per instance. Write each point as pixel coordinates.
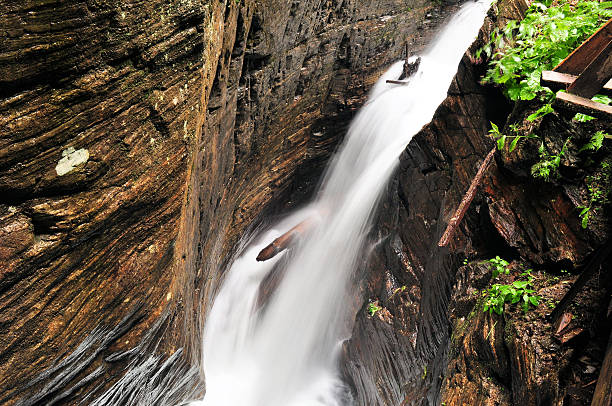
(521, 51)
(519, 291)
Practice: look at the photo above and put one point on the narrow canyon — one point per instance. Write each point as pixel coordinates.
(144, 144)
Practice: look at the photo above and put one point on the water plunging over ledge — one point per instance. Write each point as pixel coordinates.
(284, 352)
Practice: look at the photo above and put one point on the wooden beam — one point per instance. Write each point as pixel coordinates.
(588, 272)
(576, 104)
(578, 60)
(560, 81)
(466, 201)
(397, 82)
(281, 243)
(592, 79)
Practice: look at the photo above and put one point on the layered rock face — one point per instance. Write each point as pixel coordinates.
(431, 342)
(140, 140)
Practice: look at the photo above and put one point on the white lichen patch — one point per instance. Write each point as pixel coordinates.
(71, 158)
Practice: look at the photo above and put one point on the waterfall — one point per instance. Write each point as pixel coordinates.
(282, 350)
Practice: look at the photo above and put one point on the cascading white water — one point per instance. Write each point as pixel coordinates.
(284, 353)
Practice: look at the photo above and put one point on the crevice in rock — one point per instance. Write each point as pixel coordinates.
(158, 122)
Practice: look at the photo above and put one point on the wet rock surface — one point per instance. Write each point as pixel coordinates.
(431, 342)
(140, 141)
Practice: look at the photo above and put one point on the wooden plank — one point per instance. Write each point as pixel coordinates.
(466, 201)
(603, 390)
(578, 60)
(576, 104)
(592, 79)
(560, 81)
(281, 243)
(397, 82)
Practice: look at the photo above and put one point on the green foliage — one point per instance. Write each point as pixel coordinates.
(598, 98)
(548, 166)
(373, 308)
(547, 34)
(498, 266)
(595, 142)
(398, 290)
(598, 185)
(501, 139)
(584, 215)
(542, 111)
(519, 291)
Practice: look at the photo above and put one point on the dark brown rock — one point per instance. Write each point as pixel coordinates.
(438, 347)
(174, 125)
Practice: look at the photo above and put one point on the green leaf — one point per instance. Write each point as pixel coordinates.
(501, 141)
(527, 94)
(514, 93)
(583, 118)
(520, 284)
(541, 112)
(585, 220)
(513, 143)
(599, 98)
(594, 143)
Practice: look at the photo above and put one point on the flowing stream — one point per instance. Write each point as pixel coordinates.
(283, 350)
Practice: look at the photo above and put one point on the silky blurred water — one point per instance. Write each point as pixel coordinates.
(285, 352)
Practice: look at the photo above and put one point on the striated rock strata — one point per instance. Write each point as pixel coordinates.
(431, 342)
(140, 139)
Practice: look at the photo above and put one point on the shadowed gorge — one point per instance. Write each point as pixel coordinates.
(144, 143)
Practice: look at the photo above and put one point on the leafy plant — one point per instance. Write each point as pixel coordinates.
(373, 308)
(519, 291)
(398, 290)
(548, 165)
(501, 139)
(598, 185)
(498, 266)
(541, 112)
(595, 142)
(521, 51)
(584, 215)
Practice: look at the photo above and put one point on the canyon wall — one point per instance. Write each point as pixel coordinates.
(143, 139)
(430, 342)
(140, 141)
